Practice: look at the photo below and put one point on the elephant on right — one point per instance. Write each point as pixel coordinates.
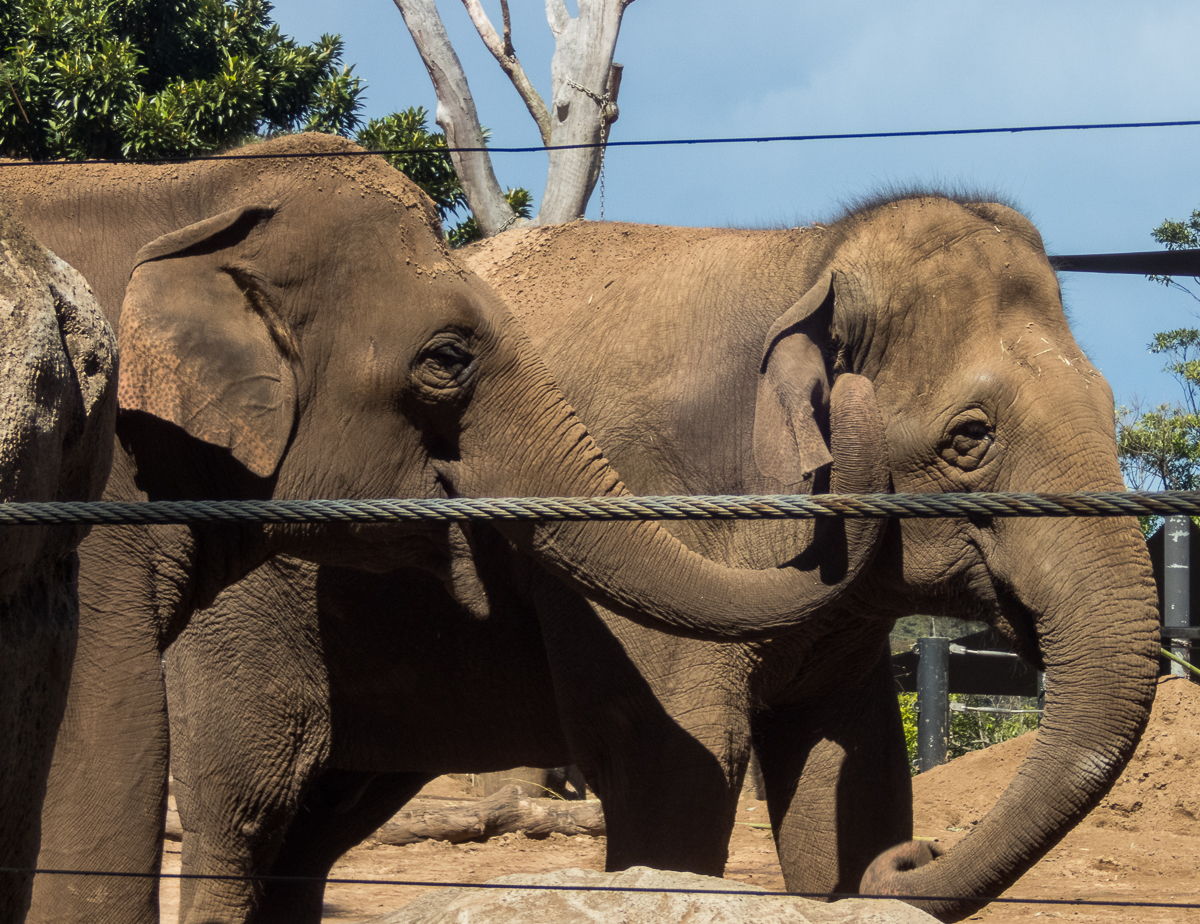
(696, 357)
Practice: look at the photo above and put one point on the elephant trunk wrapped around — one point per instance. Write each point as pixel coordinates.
(292, 325)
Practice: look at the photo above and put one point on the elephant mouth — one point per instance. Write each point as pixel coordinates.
(1018, 624)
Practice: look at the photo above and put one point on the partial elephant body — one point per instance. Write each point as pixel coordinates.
(292, 326)
(57, 409)
(705, 360)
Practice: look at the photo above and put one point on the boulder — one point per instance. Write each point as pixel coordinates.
(567, 897)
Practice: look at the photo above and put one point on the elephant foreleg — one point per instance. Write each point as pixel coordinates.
(107, 789)
(670, 806)
(837, 781)
(341, 810)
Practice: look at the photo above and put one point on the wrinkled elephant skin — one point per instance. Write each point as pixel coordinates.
(697, 357)
(58, 405)
(292, 325)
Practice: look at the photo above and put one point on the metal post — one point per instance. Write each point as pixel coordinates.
(933, 701)
(1177, 535)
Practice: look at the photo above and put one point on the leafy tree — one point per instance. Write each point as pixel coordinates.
(1178, 235)
(145, 79)
(1160, 448)
(520, 200)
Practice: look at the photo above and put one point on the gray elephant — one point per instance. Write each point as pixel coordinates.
(705, 360)
(292, 326)
(58, 403)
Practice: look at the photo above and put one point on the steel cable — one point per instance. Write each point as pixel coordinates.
(704, 507)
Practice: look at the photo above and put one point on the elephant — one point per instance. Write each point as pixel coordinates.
(292, 325)
(703, 359)
(58, 405)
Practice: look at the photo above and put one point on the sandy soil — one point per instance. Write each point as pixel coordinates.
(1141, 844)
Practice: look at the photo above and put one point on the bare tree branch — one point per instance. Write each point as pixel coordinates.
(504, 54)
(508, 45)
(456, 115)
(558, 15)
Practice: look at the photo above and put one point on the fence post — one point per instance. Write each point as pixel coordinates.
(1177, 534)
(933, 701)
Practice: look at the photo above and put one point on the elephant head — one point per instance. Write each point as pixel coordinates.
(952, 310)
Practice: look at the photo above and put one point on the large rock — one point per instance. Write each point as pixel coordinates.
(57, 414)
(578, 906)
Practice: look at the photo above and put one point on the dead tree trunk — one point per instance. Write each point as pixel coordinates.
(504, 812)
(585, 82)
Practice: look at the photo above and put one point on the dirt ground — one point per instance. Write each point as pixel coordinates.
(1141, 844)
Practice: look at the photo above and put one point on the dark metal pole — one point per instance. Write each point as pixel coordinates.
(933, 701)
(1177, 534)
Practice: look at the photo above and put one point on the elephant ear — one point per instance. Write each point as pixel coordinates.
(202, 344)
(793, 391)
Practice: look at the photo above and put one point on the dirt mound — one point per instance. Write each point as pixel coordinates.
(1159, 790)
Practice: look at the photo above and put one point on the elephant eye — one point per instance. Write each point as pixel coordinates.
(446, 362)
(968, 441)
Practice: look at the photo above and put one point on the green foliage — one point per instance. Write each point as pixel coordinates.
(145, 79)
(1160, 448)
(909, 716)
(157, 79)
(972, 728)
(520, 200)
(1178, 235)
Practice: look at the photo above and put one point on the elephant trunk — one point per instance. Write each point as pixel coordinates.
(1099, 645)
(645, 573)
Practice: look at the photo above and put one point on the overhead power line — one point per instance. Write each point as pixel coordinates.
(666, 142)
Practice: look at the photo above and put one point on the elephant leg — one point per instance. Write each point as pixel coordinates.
(340, 811)
(250, 733)
(37, 635)
(838, 786)
(670, 798)
(107, 788)
(659, 743)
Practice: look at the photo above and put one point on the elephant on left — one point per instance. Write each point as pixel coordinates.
(292, 325)
(58, 403)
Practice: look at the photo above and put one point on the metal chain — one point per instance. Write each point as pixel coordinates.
(602, 102)
(708, 507)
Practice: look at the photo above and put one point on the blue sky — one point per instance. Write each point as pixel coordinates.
(715, 69)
